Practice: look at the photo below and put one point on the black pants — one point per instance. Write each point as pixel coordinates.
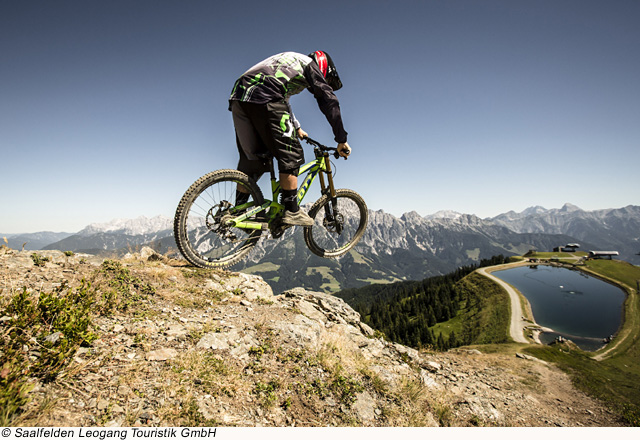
(266, 129)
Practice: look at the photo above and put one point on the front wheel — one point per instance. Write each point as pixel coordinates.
(338, 223)
(201, 227)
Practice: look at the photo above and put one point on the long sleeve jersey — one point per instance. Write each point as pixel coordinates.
(279, 77)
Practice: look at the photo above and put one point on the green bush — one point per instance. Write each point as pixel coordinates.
(122, 289)
(40, 336)
(39, 260)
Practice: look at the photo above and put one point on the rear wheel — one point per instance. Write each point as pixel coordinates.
(200, 228)
(338, 223)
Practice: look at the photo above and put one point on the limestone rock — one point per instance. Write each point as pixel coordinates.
(162, 354)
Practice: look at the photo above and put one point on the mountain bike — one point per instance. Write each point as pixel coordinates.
(211, 231)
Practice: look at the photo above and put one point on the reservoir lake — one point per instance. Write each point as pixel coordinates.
(573, 304)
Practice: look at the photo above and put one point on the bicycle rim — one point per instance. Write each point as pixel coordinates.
(337, 228)
(199, 225)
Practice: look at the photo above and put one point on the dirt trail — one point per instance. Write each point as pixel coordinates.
(516, 329)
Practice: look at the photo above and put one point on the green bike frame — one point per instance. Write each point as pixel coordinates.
(319, 167)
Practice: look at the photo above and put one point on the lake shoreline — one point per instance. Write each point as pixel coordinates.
(585, 342)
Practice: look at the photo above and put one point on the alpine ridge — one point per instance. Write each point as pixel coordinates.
(392, 249)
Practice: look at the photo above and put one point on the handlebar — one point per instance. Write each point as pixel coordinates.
(323, 147)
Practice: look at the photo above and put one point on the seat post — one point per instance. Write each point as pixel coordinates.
(272, 170)
(267, 161)
(275, 183)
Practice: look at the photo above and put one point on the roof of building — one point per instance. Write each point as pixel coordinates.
(604, 252)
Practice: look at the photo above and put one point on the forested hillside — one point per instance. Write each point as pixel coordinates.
(410, 312)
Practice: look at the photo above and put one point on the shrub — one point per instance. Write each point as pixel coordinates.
(40, 335)
(39, 260)
(122, 289)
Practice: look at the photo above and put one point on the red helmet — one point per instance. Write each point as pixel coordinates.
(327, 68)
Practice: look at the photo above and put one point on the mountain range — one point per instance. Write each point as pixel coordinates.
(392, 249)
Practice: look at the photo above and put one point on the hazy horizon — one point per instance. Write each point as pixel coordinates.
(114, 220)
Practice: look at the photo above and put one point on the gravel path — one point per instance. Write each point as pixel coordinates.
(516, 328)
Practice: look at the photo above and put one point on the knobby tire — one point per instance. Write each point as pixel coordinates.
(199, 232)
(329, 240)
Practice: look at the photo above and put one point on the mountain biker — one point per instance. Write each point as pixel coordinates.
(265, 124)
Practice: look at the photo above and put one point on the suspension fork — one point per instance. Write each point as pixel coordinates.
(331, 191)
(330, 209)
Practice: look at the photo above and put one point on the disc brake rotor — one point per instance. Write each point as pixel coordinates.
(335, 224)
(217, 219)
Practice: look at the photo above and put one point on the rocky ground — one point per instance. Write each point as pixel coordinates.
(197, 348)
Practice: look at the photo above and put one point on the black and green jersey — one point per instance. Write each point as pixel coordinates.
(279, 77)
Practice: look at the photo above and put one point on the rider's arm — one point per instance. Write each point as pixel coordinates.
(296, 124)
(327, 101)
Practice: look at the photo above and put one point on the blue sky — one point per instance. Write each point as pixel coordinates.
(111, 109)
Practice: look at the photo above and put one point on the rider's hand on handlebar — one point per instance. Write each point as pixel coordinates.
(302, 134)
(344, 150)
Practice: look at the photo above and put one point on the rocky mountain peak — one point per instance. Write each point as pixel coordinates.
(445, 214)
(412, 217)
(533, 210)
(568, 207)
(138, 226)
